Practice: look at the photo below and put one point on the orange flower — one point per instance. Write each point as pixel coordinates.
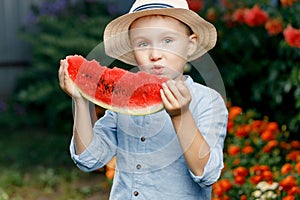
(274, 26)
(254, 169)
(243, 197)
(264, 168)
(248, 149)
(286, 3)
(237, 161)
(240, 171)
(230, 126)
(297, 167)
(272, 126)
(239, 180)
(273, 143)
(289, 197)
(233, 150)
(267, 175)
(260, 172)
(238, 15)
(286, 168)
(292, 36)
(225, 185)
(226, 197)
(195, 5)
(256, 124)
(234, 112)
(267, 135)
(217, 189)
(211, 15)
(284, 145)
(256, 179)
(295, 144)
(294, 191)
(270, 145)
(255, 16)
(288, 182)
(243, 131)
(294, 156)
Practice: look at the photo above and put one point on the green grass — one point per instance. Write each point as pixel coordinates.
(36, 164)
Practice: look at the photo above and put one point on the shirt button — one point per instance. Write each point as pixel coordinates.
(138, 166)
(135, 193)
(143, 139)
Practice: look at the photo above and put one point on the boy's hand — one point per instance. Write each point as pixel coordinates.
(65, 82)
(176, 97)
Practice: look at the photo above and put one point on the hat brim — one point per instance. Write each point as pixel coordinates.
(117, 42)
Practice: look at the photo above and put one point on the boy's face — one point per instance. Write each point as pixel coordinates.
(161, 45)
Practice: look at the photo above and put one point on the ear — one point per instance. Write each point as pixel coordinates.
(192, 45)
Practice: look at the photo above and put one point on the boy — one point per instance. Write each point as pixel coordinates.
(172, 154)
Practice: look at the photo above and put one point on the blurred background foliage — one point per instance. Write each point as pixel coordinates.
(261, 71)
(260, 68)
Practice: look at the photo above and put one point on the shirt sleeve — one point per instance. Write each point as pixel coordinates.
(212, 123)
(211, 171)
(102, 147)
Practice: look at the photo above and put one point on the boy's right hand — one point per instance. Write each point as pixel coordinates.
(65, 82)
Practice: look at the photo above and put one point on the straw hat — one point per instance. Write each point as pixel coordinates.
(116, 38)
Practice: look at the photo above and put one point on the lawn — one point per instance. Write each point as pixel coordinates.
(36, 165)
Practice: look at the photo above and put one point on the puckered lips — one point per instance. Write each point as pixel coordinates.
(157, 69)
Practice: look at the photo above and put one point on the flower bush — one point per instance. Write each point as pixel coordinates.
(260, 161)
(258, 53)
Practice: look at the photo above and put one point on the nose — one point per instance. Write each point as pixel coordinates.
(155, 54)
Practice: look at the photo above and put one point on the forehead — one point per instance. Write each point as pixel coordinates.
(159, 21)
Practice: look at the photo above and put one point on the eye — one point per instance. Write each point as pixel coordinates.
(142, 44)
(168, 40)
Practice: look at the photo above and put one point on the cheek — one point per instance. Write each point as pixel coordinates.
(180, 51)
(141, 58)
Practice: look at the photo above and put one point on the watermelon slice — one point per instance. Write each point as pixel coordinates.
(116, 89)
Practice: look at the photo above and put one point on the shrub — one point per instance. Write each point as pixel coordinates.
(260, 162)
(54, 30)
(258, 53)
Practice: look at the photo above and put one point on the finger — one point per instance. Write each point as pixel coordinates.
(180, 93)
(64, 75)
(165, 100)
(169, 94)
(173, 88)
(183, 89)
(61, 76)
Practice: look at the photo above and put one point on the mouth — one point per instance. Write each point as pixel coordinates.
(157, 69)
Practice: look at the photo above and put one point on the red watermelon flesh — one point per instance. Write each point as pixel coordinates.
(115, 88)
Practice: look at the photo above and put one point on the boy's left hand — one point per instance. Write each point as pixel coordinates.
(176, 97)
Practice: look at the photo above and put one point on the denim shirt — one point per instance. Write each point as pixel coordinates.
(150, 162)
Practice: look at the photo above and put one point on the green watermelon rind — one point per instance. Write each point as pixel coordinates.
(124, 110)
(129, 111)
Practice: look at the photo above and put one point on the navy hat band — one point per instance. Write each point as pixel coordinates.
(152, 6)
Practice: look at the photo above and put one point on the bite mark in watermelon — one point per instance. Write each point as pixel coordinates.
(116, 89)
